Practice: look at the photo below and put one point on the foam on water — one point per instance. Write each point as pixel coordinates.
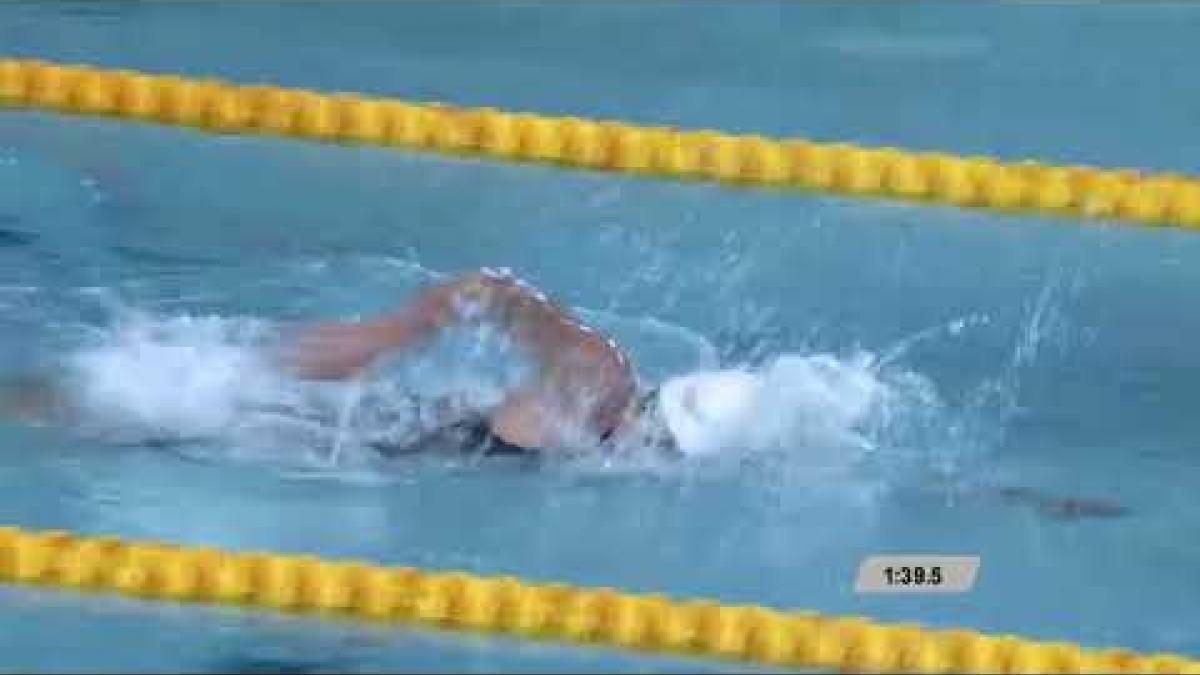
(175, 377)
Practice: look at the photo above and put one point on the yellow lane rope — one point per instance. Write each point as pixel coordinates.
(976, 182)
(603, 617)
(507, 605)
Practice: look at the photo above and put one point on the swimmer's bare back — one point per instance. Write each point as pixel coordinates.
(584, 383)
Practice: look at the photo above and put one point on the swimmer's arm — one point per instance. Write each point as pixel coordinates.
(339, 350)
(485, 296)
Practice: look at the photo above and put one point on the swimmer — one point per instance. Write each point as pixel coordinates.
(583, 394)
(584, 384)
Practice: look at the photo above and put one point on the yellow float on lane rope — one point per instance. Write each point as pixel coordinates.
(834, 168)
(603, 617)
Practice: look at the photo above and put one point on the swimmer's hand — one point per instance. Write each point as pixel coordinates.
(334, 351)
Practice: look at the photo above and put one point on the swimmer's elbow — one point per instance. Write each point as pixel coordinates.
(486, 293)
(485, 280)
(495, 297)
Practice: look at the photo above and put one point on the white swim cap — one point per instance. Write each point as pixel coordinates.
(706, 412)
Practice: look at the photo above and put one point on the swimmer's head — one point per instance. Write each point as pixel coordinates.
(708, 412)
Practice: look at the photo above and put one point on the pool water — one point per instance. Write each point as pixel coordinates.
(932, 357)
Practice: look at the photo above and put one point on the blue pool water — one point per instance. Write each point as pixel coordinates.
(996, 350)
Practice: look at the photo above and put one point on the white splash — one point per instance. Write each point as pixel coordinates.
(178, 377)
